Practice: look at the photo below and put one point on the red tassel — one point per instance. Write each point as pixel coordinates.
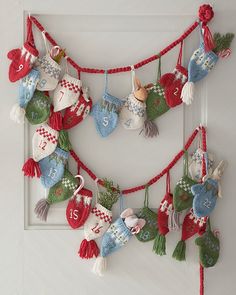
(31, 168)
(55, 120)
(208, 39)
(88, 249)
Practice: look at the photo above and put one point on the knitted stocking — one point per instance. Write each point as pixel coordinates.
(95, 226)
(38, 108)
(191, 226)
(44, 143)
(26, 91)
(61, 191)
(66, 93)
(78, 111)
(52, 167)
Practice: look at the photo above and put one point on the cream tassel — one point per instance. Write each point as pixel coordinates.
(100, 266)
(17, 114)
(187, 93)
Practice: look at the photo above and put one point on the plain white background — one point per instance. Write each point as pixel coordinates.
(45, 262)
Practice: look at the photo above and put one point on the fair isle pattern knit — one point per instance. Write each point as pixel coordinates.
(166, 207)
(135, 106)
(200, 221)
(66, 182)
(46, 134)
(70, 86)
(101, 215)
(184, 185)
(157, 88)
(49, 66)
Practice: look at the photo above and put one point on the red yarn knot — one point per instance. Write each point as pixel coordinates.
(205, 13)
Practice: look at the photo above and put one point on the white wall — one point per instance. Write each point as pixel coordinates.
(45, 261)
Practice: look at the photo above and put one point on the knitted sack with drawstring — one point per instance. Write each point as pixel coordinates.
(49, 73)
(196, 162)
(66, 93)
(149, 231)
(52, 167)
(78, 208)
(191, 226)
(79, 111)
(61, 191)
(96, 225)
(26, 90)
(132, 114)
(38, 108)
(209, 247)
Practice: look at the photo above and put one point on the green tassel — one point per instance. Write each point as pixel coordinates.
(179, 252)
(63, 140)
(159, 246)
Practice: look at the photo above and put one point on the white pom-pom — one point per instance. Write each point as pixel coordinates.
(17, 114)
(100, 266)
(187, 93)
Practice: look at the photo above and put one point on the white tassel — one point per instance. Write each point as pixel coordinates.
(17, 114)
(100, 266)
(174, 221)
(187, 93)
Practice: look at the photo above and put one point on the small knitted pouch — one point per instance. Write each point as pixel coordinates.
(38, 108)
(174, 82)
(44, 143)
(195, 164)
(95, 226)
(79, 111)
(183, 197)
(156, 104)
(105, 112)
(26, 90)
(61, 191)
(52, 167)
(200, 64)
(209, 247)
(167, 220)
(22, 59)
(132, 114)
(205, 196)
(66, 93)
(191, 226)
(49, 69)
(149, 231)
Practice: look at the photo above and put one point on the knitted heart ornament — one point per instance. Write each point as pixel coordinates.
(52, 167)
(205, 196)
(44, 143)
(78, 111)
(209, 248)
(49, 73)
(78, 208)
(96, 225)
(26, 90)
(149, 231)
(66, 93)
(38, 108)
(61, 191)
(191, 226)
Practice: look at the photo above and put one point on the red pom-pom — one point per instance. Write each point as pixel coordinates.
(55, 120)
(31, 168)
(88, 249)
(205, 13)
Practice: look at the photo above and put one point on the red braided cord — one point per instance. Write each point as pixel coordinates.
(151, 181)
(121, 69)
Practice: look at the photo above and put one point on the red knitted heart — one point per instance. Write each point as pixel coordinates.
(77, 112)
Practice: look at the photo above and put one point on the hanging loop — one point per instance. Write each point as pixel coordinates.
(179, 62)
(159, 67)
(146, 198)
(168, 182)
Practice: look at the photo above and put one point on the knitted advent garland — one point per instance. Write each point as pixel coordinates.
(70, 106)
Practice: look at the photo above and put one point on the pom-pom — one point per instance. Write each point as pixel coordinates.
(179, 252)
(88, 249)
(187, 93)
(205, 13)
(17, 114)
(100, 266)
(55, 120)
(150, 128)
(31, 168)
(159, 246)
(41, 209)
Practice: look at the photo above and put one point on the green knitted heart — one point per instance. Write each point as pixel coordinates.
(149, 231)
(156, 103)
(183, 197)
(64, 189)
(209, 248)
(38, 108)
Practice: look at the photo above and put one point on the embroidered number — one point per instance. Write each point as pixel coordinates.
(128, 123)
(96, 229)
(42, 83)
(42, 144)
(20, 68)
(105, 121)
(74, 214)
(62, 94)
(52, 173)
(176, 91)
